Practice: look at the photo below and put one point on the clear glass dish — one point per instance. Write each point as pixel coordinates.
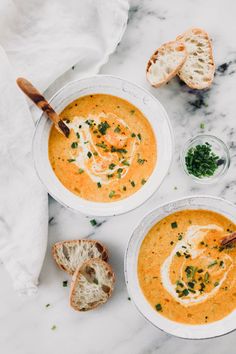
(209, 330)
(151, 108)
(218, 147)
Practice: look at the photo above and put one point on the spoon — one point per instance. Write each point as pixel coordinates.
(43, 104)
(228, 239)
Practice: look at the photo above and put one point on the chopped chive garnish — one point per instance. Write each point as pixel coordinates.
(117, 129)
(102, 127)
(132, 183)
(64, 283)
(133, 135)
(111, 194)
(101, 145)
(201, 161)
(139, 136)
(216, 283)
(89, 154)
(93, 222)
(121, 151)
(47, 305)
(141, 161)
(53, 327)
(143, 181)
(77, 134)
(174, 225)
(178, 254)
(71, 160)
(99, 185)
(185, 292)
(202, 125)
(81, 171)
(111, 166)
(125, 163)
(74, 145)
(206, 277)
(95, 153)
(212, 264)
(180, 237)
(158, 307)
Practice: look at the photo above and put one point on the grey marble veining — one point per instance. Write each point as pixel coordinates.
(118, 328)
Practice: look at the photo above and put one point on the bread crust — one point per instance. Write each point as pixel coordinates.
(196, 30)
(104, 251)
(77, 276)
(160, 52)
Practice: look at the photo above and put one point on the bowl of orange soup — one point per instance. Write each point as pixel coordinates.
(118, 152)
(178, 274)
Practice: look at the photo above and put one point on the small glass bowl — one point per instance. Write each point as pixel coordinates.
(218, 147)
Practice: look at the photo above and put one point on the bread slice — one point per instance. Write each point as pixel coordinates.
(69, 255)
(92, 285)
(199, 68)
(165, 63)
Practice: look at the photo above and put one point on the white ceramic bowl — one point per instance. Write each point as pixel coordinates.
(213, 329)
(142, 99)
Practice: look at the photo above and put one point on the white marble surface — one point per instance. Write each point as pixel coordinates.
(117, 328)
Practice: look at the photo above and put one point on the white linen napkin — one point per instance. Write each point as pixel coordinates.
(40, 40)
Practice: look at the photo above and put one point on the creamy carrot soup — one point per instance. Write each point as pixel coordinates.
(110, 153)
(184, 272)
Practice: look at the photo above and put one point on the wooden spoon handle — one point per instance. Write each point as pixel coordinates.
(43, 104)
(228, 239)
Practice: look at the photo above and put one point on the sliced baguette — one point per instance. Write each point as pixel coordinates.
(69, 255)
(199, 68)
(165, 63)
(92, 285)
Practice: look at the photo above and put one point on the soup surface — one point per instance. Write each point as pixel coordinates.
(110, 153)
(184, 272)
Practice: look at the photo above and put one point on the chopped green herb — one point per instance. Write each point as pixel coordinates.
(89, 154)
(81, 171)
(77, 134)
(202, 125)
(133, 135)
(47, 305)
(119, 171)
(206, 277)
(101, 145)
(174, 225)
(201, 161)
(89, 122)
(178, 283)
(117, 129)
(185, 292)
(121, 151)
(180, 237)
(141, 161)
(221, 264)
(93, 222)
(71, 160)
(212, 264)
(74, 145)
(216, 283)
(158, 307)
(132, 183)
(143, 181)
(200, 270)
(112, 166)
(64, 283)
(53, 327)
(139, 136)
(178, 254)
(129, 298)
(102, 127)
(95, 153)
(191, 284)
(125, 163)
(99, 185)
(132, 111)
(111, 194)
